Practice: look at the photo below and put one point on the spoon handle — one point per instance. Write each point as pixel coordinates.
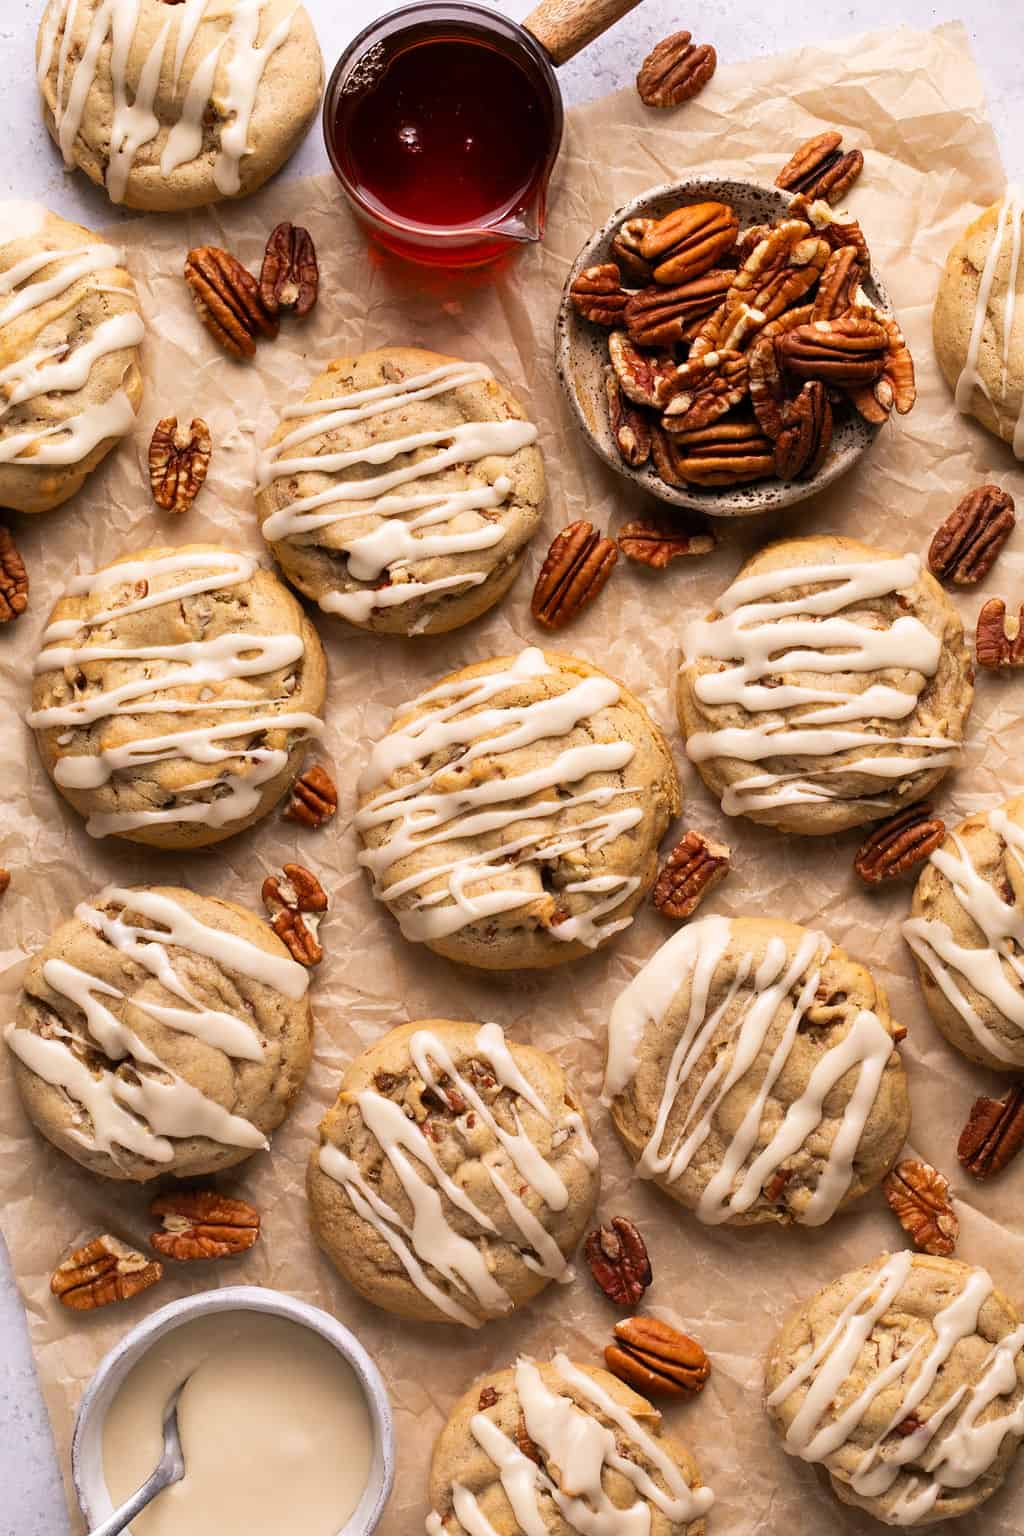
(123, 1517)
(563, 27)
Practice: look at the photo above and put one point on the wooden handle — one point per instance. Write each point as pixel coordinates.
(563, 27)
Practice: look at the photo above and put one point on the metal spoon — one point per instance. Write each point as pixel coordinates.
(169, 1469)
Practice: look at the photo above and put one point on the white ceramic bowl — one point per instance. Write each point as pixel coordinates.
(87, 1446)
(581, 355)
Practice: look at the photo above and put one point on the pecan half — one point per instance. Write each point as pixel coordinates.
(178, 462)
(689, 241)
(820, 169)
(598, 295)
(724, 453)
(999, 638)
(919, 1198)
(656, 1359)
(574, 572)
(850, 350)
(630, 428)
(643, 378)
(837, 288)
(693, 868)
(296, 901)
(899, 844)
(966, 546)
(618, 1260)
(13, 578)
(103, 1271)
(802, 445)
(201, 1224)
(290, 277)
(227, 300)
(993, 1135)
(703, 391)
(656, 544)
(661, 317)
(625, 249)
(674, 71)
(314, 798)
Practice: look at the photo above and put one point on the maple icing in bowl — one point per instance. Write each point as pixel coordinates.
(581, 357)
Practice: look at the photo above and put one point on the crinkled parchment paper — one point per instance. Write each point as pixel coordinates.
(914, 103)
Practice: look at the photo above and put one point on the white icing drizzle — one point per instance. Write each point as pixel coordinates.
(579, 1448)
(135, 122)
(420, 815)
(760, 637)
(198, 663)
(693, 956)
(142, 1112)
(392, 545)
(431, 1240)
(995, 969)
(945, 1458)
(55, 370)
(1008, 221)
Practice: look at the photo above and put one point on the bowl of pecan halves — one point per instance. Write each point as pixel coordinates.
(729, 347)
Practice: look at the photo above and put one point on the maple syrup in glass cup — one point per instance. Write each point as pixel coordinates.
(443, 123)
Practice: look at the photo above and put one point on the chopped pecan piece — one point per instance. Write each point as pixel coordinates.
(965, 547)
(993, 1135)
(642, 378)
(802, 445)
(693, 868)
(103, 1271)
(528, 1447)
(227, 300)
(655, 1359)
(776, 1184)
(314, 798)
(820, 169)
(850, 350)
(201, 1224)
(661, 317)
(296, 901)
(999, 639)
(13, 578)
(899, 844)
(487, 1399)
(178, 462)
(630, 428)
(574, 572)
(919, 1198)
(290, 277)
(655, 544)
(617, 1256)
(688, 241)
(598, 295)
(626, 244)
(674, 71)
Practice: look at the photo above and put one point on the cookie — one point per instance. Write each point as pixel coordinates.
(455, 1174)
(753, 1073)
(175, 694)
(172, 105)
(904, 1381)
(829, 686)
(403, 491)
(561, 1447)
(70, 331)
(967, 934)
(512, 815)
(161, 1032)
(978, 320)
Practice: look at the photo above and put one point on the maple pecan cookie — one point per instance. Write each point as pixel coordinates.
(70, 331)
(557, 1447)
(966, 930)
(512, 815)
(978, 320)
(172, 106)
(485, 1134)
(904, 1381)
(160, 1032)
(829, 686)
(753, 1073)
(175, 694)
(403, 491)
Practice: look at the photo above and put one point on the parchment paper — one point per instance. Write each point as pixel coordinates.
(914, 103)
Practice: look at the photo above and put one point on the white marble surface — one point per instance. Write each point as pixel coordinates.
(31, 1502)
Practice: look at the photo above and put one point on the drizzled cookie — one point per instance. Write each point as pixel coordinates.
(455, 1174)
(829, 686)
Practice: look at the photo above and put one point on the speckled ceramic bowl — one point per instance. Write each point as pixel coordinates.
(581, 355)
